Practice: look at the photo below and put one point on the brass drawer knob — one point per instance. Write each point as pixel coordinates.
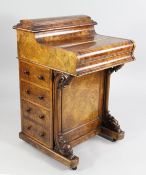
(29, 127)
(41, 77)
(41, 116)
(41, 97)
(28, 109)
(26, 72)
(42, 134)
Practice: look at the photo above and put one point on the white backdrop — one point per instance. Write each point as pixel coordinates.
(121, 18)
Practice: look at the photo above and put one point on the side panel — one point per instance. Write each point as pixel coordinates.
(82, 102)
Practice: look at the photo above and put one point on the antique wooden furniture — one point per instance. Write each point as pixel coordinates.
(65, 69)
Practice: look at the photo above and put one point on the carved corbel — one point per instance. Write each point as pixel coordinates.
(115, 69)
(63, 79)
(60, 80)
(110, 128)
(111, 123)
(63, 147)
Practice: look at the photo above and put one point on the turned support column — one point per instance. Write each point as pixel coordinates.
(110, 128)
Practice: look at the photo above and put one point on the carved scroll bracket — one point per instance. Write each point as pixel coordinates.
(115, 69)
(110, 127)
(63, 79)
(111, 123)
(60, 81)
(63, 147)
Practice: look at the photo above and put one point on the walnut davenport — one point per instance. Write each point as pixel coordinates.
(65, 69)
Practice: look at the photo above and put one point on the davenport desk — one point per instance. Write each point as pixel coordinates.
(65, 69)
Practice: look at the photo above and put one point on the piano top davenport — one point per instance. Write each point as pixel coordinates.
(65, 69)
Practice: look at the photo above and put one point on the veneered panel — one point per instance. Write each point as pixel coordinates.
(36, 74)
(36, 131)
(36, 94)
(36, 114)
(81, 104)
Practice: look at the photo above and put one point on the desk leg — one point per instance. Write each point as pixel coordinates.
(61, 145)
(110, 129)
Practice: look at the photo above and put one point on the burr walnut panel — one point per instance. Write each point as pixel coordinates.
(37, 74)
(36, 131)
(36, 94)
(65, 69)
(75, 49)
(36, 114)
(81, 104)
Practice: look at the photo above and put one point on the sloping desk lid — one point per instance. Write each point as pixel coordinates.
(75, 34)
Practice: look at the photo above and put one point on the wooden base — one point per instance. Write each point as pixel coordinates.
(70, 163)
(111, 135)
(84, 137)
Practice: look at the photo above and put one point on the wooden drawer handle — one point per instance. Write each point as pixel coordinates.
(29, 127)
(41, 77)
(28, 91)
(28, 109)
(41, 116)
(42, 134)
(41, 97)
(26, 72)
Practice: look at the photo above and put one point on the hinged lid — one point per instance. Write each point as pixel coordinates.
(71, 45)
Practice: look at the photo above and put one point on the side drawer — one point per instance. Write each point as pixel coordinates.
(37, 132)
(36, 94)
(35, 74)
(36, 114)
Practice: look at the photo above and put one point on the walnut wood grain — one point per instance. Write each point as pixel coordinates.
(61, 143)
(36, 114)
(36, 131)
(65, 69)
(71, 45)
(37, 25)
(72, 163)
(84, 92)
(37, 74)
(110, 128)
(36, 94)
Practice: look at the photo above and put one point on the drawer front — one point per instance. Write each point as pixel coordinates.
(36, 114)
(36, 94)
(36, 74)
(36, 131)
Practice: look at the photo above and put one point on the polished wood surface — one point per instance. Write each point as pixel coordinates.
(34, 93)
(71, 45)
(34, 113)
(43, 24)
(83, 99)
(36, 102)
(37, 74)
(65, 69)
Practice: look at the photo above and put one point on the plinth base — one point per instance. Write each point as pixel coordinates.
(111, 135)
(70, 163)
